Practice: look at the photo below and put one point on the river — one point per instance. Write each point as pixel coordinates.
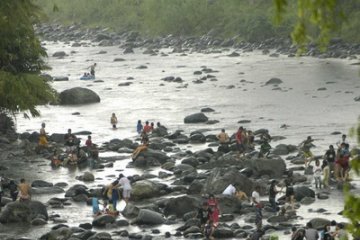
(316, 98)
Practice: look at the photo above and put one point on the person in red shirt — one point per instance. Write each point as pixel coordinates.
(147, 127)
(240, 141)
(88, 142)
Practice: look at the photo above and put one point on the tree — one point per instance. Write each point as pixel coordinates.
(316, 20)
(21, 59)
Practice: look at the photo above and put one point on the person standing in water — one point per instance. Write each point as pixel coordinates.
(139, 127)
(42, 138)
(92, 69)
(113, 120)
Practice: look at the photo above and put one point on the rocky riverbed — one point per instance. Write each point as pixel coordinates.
(290, 97)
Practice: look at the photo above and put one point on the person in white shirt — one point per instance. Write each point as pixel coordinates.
(317, 174)
(125, 183)
(229, 190)
(255, 198)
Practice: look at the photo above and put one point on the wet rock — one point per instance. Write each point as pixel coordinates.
(60, 79)
(357, 99)
(307, 200)
(119, 59)
(181, 205)
(100, 236)
(196, 118)
(130, 211)
(86, 177)
(197, 137)
(274, 81)
(302, 192)
(59, 54)
(266, 166)
(234, 54)
(197, 72)
(159, 132)
(207, 109)
(38, 222)
(144, 189)
(103, 220)
(86, 226)
(78, 95)
(277, 219)
(244, 121)
(192, 229)
(151, 157)
(319, 222)
(76, 190)
(23, 212)
(284, 149)
(47, 190)
(141, 67)
(41, 183)
(223, 232)
(59, 233)
(322, 196)
(219, 179)
(322, 89)
(149, 217)
(128, 50)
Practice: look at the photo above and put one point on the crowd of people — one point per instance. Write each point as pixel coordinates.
(334, 164)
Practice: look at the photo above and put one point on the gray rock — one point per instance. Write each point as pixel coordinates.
(181, 205)
(22, 211)
(319, 222)
(76, 190)
(196, 118)
(41, 183)
(266, 166)
(100, 236)
(357, 99)
(59, 233)
(307, 200)
(38, 222)
(87, 177)
(207, 109)
(103, 220)
(60, 78)
(223, 232)
(302, 192)
(149, 217)
(220, 178)
(78, 95)
(59, 54)
(144, 189)
(274, 81)
(47, 190)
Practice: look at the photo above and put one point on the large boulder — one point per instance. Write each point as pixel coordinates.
(302, 192)
(283, 149)
(274, 168)
(58, 233)
(181, 205)
(41, 183)
(149, 217)
(78, 95)
(220, 178)
(76, 190)
(23, 212)
(319, 223)
(144, 189)
(150, 155)
(196, 118)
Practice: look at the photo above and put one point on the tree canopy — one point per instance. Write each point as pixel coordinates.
(21, 59)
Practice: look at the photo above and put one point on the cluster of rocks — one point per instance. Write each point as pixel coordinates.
(130, 40)
(192, 175)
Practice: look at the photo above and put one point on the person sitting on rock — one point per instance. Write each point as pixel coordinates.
(265, 147)
(24, 191)
(70, 141)
(55, 161)
(305, 148)
(224, 141)
(143, 147)
(13, 190)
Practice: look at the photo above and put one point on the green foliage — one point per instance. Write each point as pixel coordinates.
(352, 201)
(21, 59)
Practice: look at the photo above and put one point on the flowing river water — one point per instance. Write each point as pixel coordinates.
(316, 98)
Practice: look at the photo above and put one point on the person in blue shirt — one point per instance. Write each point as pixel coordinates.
(139, 127)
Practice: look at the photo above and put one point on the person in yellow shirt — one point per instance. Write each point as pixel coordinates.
(42, 138)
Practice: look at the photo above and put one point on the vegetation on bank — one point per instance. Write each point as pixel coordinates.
(249, 20)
